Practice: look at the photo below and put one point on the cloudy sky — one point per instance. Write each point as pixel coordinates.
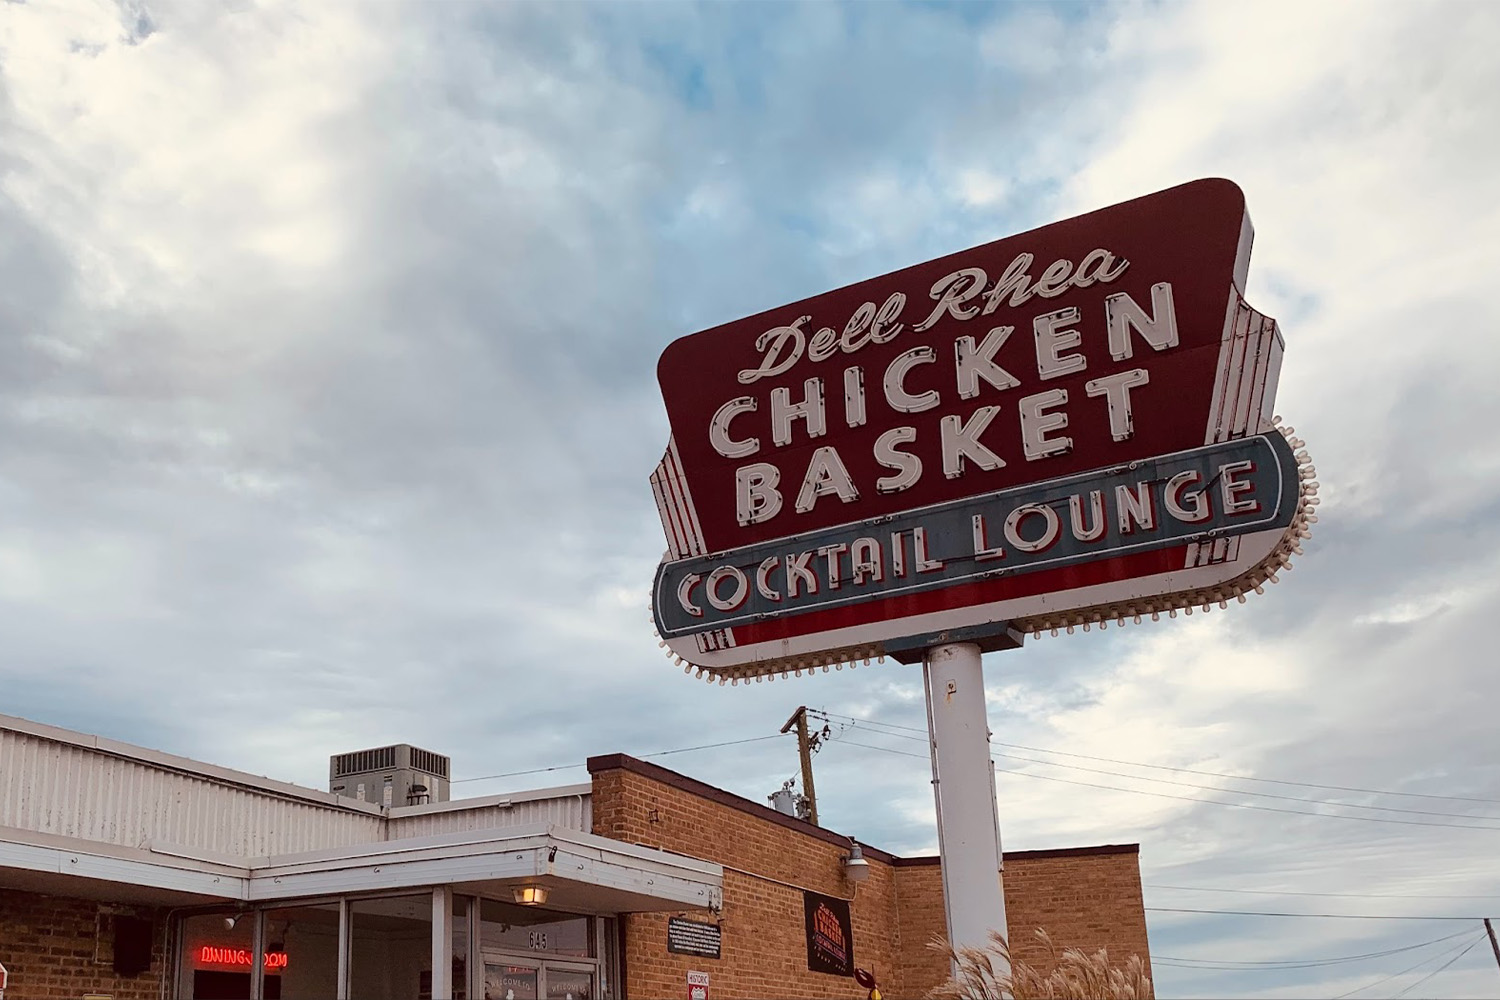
(327, 406)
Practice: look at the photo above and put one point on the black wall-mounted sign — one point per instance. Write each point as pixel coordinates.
(830, 936)
(690, 937)
(133, 938)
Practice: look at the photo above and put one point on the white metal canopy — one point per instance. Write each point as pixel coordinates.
(583, 872)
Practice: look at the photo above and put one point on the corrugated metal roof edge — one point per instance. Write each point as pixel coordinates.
(261, 783)
(186, 765)
(486, 801)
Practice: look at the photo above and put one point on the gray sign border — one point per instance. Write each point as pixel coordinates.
(1277, 516)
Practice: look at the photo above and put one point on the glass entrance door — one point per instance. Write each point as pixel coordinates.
(519, 979)
(569, 984)
(507, 981)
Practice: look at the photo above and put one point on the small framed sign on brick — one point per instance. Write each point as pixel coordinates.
(830, 935)
(693, 937)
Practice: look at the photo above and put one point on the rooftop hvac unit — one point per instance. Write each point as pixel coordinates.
(399, 775)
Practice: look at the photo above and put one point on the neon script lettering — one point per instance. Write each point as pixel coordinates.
(211, 954)
(964, 294)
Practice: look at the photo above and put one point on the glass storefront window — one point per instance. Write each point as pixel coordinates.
(216, 958)
(302, 949)
(460, 947)
(527, 929)
(391, 947)
(609, 955)
(518, 953)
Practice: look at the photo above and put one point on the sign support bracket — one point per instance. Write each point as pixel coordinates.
(963, 782)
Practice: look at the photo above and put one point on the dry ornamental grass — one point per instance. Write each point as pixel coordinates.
(1074, 975)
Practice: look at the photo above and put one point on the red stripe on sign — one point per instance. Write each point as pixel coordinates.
(676, 485)
(695, 530)
(967, 595)
(679, 518)
(1235, 385)
(1221, 372)
(668, 513)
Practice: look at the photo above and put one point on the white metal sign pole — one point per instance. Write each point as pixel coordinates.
(963, 781)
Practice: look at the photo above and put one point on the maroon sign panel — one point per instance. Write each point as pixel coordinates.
(1068, 348)
(1113, 338)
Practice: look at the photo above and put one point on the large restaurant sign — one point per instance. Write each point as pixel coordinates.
(1056, 429)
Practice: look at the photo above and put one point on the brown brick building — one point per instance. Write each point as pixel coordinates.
(1084, 897)
(132, 874)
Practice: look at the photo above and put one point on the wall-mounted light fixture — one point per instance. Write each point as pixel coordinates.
(530, 895)
(856, 868)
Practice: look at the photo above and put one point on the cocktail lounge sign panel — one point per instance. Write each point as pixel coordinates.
(1217, 491)
(1041, 431)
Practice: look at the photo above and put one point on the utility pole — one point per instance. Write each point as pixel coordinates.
(1488, 929)
(804, 750)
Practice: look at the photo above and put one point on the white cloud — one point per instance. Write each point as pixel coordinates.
(1422, 607)
(983, 188)
(327, 393)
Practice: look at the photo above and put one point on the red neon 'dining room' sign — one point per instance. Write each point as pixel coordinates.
(211, 954)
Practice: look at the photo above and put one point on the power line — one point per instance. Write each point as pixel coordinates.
(871, 746)
(1251, 805)
(1243, 777)
(658, 753)
(1333, 916)
(1417, 965)
(516, 774)
(1272, 966)
(1440, 968)
(1184, 770)
(1213, 788)
(1344, 895)
(1192, 798)
(871, 722)
(713, 746)
(1242, 791)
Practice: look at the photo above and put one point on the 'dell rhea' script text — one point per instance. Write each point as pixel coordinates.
(735, 431)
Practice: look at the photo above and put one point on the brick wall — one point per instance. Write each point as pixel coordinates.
(56, 947)
(764, 952)
(920, 919)
(1089, 898)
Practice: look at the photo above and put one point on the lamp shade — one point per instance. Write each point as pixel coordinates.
(530, 895)
(856, 868)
